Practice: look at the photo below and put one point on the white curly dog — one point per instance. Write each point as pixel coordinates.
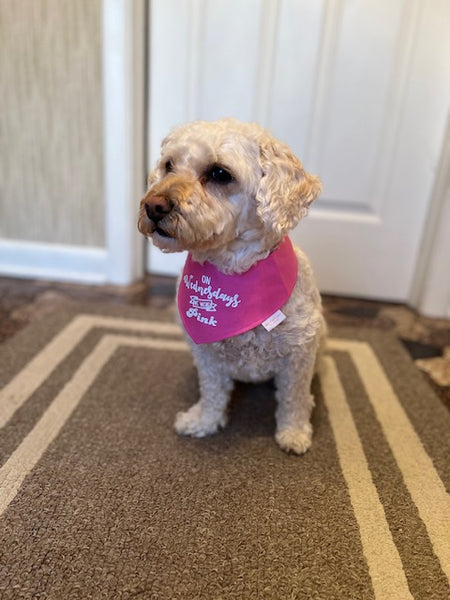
(228, 193)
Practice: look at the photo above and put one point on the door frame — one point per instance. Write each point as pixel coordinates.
(430, 293)
(124, 55)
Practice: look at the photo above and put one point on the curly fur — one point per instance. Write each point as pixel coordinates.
(233, 225)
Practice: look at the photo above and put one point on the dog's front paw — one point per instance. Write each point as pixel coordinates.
(198, 422)
(297, 440)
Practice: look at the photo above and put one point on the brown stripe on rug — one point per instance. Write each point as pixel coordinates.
(100, 499)
(424, 573)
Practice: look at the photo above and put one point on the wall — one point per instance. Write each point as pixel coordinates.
(51, 178)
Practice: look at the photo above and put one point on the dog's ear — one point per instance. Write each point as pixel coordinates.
(286, 191)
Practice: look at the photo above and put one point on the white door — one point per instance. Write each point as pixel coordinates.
(359, 89)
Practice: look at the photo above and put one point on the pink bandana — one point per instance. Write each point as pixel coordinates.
(214, 306)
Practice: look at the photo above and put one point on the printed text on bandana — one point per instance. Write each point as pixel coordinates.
(206, 299)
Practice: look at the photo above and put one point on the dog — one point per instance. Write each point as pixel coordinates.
(229, 193)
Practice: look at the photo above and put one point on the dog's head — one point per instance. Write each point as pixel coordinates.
(220, 185)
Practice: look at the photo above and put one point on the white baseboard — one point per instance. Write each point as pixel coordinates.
(55, 262)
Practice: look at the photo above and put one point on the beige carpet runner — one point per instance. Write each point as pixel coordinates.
(100, 499)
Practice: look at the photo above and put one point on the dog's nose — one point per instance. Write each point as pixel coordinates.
(157, 207)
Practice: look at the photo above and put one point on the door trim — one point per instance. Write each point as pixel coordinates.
(124, 99)
(430, 293)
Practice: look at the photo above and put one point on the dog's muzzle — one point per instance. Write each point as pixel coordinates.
(162, 201)
(154, 208)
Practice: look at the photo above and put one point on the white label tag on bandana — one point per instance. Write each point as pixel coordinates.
(274, 320)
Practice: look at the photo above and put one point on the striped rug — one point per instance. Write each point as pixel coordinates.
(100, 499)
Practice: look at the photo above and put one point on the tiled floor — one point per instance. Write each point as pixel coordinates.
(427, 340)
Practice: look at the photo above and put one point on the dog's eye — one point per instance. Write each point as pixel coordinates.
(218, 174)
(168, 166)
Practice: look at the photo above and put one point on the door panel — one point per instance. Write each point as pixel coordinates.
(359, 90)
